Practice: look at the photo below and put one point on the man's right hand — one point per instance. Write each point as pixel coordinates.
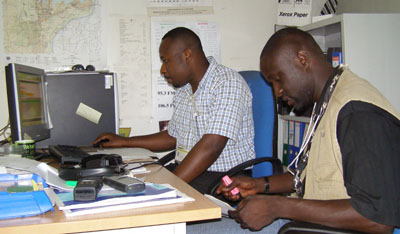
(246, 185)
(111, 140)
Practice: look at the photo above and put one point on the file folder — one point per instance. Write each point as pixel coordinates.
(22, 204)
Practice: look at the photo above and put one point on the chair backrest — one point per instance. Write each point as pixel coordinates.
(265, 120)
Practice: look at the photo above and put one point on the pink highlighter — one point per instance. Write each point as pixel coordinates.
(227, 181)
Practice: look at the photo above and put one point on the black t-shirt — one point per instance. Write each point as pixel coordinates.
(369, 139)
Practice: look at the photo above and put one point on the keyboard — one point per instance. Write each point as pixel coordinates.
(68, 154)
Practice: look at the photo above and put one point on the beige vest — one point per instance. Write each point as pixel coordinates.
(324, 172)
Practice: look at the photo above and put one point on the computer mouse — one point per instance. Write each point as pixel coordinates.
(100, 143)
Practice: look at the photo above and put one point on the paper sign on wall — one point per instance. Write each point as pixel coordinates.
(294, 12)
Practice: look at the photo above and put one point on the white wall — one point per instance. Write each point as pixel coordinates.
(368, 6)
(245, 26)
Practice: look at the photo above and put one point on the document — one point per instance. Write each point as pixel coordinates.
(112, 200)
(162, 92)
(225, 207)
(128, 153)
(45, 171)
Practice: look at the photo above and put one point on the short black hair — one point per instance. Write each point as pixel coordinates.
(186, 35)
(291, 35)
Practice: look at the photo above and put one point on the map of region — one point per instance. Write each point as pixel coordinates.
(30, 26)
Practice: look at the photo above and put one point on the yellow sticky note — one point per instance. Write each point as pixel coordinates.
(88, 113)
(125, 132)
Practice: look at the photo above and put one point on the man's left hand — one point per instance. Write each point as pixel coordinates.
(255, 212)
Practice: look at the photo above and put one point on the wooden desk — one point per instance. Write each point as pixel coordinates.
(56, 222)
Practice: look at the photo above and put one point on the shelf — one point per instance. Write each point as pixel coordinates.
(295, 118)
(327, 33)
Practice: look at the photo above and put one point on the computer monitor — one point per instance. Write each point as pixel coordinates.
(27, 102)
(67, 93)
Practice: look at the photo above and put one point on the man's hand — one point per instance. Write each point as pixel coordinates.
(246, 185)
(111, 140)
(256, 212)
(159, 141)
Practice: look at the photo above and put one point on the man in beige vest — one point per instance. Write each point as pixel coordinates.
(348, 172)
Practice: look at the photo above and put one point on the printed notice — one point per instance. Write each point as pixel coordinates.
(179, 7)
(294, 12)
(133, 65)
(162, 93)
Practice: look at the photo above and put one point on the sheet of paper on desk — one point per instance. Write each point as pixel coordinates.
(224, 206)
(128, 153)
(20, 163)
(137, 168)
(127, 206)
(48, 173)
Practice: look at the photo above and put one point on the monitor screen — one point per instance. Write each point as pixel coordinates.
(27, 103)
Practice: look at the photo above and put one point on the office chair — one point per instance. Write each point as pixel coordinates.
(295, 227)
(265, 129)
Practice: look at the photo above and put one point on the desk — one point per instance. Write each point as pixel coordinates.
(56, 222)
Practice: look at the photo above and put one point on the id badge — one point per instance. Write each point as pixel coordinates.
(180, 154)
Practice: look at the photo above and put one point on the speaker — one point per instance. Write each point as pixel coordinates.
(80, 67)
(90, 68)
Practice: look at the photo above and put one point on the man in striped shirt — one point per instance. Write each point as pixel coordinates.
(212, 124)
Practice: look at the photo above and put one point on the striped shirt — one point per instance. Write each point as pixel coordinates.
(221, 105)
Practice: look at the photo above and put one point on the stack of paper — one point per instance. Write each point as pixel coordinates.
(112, 200)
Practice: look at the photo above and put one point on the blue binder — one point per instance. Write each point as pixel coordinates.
(292, 140)
(22, 204)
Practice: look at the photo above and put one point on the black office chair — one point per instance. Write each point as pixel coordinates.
(295, 227)
(265, 128)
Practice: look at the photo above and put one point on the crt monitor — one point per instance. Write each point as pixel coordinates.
(27, 102)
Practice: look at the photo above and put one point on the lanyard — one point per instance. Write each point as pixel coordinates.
(301, 159)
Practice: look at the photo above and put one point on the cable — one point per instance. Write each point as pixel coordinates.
(145, 163)
(3, 133)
